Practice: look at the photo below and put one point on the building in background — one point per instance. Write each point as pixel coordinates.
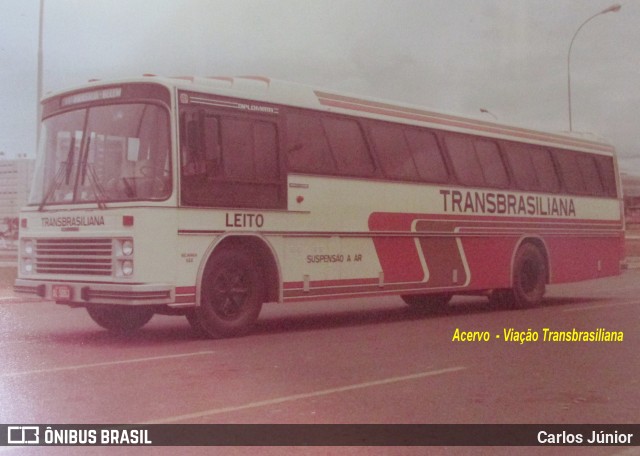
(631, 192)
(15, 184)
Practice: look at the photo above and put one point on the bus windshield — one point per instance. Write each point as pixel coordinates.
(102, 154)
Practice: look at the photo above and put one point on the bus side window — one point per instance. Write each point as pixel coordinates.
(200, 145)
(590, 175)
(307, 147)
(230, 161)
(532, 167)
(570, 171)
(545, 170)
(427, 155)
(190, 144)
(349, 148)
(239, 149)
(266, 160)
(464, 160)
(492, 167)
(212, 155)
(521, 163)
(607, 174)
(393, 152)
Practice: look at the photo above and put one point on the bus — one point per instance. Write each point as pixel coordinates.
(209, 197)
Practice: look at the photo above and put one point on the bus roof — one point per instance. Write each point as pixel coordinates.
(274, 91)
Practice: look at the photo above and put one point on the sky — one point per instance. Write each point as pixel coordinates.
(508, 57)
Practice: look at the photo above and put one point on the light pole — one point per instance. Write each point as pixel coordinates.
(486, 111)
(39, 77)
(612, 9)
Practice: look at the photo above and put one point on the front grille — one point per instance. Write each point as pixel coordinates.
(74, 256)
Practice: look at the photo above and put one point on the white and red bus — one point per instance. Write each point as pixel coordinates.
(208, 197)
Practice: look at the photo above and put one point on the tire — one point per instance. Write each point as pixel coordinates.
(427, 302)
(120, 319)
(529, 277)
(232, 293)
(196, 326)
(501, 298)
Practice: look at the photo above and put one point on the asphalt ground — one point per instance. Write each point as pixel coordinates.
(348, 361)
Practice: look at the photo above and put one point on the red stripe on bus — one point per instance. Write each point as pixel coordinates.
(396, 221)
(329, 283)
(355, 104)
(364, 290)
(185, 290)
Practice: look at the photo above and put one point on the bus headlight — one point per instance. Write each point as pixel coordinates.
(127, 268)
(28, 247)
(127, 247)
(27, 266)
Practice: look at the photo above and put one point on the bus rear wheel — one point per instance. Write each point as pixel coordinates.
(501, 298)
(233, 290)
(427, 302)
(529, 277)
(120, 319)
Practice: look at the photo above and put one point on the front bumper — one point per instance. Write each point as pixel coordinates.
(82, 293)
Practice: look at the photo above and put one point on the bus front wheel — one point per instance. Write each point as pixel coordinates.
(232, 293)
(120, 319)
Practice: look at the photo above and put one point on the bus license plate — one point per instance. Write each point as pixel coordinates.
(61, 292)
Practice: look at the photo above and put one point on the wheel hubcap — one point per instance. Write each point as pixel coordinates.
(231, 289)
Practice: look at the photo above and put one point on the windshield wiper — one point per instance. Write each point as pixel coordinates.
(63, 174)
(57, 180)
(96, 187)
